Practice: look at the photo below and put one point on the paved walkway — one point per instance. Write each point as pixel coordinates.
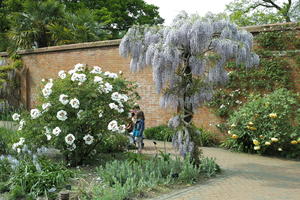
(244, 177)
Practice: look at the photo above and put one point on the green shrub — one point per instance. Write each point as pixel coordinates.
(161, 132)
(209, 167)
(207, 138)
(77, 110)
(265, 125)
(113, 143)
(275, 40)
(7, 138)
(34, 177)
(131, 178)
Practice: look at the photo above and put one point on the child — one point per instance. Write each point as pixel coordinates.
(139, 129)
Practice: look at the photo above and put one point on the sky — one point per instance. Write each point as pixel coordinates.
(170, 8)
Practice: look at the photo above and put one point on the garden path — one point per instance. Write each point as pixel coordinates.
(243, 177)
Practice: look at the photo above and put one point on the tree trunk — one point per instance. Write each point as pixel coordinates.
(185, 139)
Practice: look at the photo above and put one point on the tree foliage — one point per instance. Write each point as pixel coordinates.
(188, 60)
(41, 23)
(255, 12)
(119, 15)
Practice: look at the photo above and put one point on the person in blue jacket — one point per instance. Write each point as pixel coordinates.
(138, 129)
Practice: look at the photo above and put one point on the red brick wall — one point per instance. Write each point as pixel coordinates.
(46, 62)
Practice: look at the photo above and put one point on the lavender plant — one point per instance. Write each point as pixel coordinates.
(188, 59)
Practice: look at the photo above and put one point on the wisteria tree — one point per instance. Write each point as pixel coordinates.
(188, 59)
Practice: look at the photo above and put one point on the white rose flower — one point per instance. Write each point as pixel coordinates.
(48, 136)
(74, 77)
(63, 99)
(108, 88)
(49, 85)
(62, 74)
(79, 67)
(56, 131)
(72, 71)
(46, 106)
(115, 96)
(88, 139)
(74, 103)
(113, 106)
(72, 148)
(122, 128)
(22, 140)
(35, 113)
(46, 92)
(81, 78)
(79, 114)
(96, 70)
(113, 126)
(62, 115)
(98, 79)
(100, 113)
(21, 124)
(16, 117)
(70, 138)
(110, 75)
(120, 110)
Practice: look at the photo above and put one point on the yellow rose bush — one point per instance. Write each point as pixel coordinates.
(266, 125)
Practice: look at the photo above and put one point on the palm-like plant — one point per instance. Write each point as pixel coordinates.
(30, 27)
(78, 27)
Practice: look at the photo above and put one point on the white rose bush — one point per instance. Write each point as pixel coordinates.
(76, 111)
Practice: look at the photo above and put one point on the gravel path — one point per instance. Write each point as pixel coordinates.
(244, 177)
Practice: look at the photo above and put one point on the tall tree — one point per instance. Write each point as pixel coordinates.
(245, 12)
(119, 15)
(188, 60)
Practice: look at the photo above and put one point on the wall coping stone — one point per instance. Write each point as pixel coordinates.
(108, 43)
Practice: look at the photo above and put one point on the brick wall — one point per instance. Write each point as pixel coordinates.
(46, 62)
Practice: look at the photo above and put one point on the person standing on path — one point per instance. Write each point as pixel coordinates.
(139, 130)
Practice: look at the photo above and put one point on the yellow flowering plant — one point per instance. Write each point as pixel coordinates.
(266, 124)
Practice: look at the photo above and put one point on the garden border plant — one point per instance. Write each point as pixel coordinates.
(76, 110)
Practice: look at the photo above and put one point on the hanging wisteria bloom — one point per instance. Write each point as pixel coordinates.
(74, 103)
(21, 124)
(62, 115)
(16, 117)
(79, 67)
(96, 70)
(70, 138)
(88, 139)
(113, 126)
(79, 114)
(35, 113)
(98, 79)
(63, 99)
(56, 131)
(46, 92)
(62, 74)
(46, 106)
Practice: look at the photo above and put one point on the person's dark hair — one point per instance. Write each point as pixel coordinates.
(136, 107)
(140, 115)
